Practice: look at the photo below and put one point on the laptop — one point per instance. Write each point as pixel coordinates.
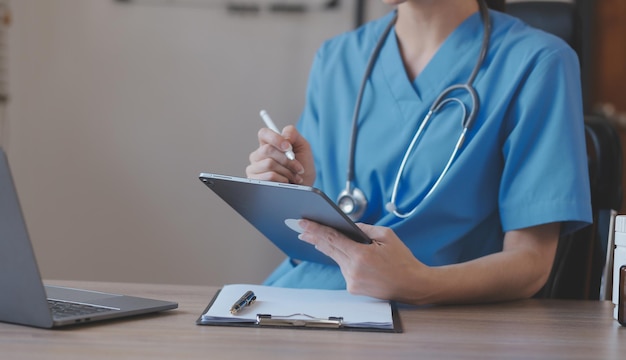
(23, 297)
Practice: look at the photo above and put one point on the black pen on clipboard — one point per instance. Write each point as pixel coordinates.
(245, 300)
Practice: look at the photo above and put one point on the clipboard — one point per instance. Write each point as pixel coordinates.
(301, 320)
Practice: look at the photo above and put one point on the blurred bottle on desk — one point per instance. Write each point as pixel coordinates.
(619, 270)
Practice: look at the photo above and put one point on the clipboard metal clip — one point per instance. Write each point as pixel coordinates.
(298, 320)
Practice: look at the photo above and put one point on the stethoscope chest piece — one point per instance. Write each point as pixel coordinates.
(352, 202)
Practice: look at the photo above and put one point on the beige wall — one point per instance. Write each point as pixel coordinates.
(115, 109)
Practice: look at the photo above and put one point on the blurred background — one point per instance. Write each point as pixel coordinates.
(110, 110)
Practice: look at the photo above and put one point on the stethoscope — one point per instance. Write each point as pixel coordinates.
(351, 200)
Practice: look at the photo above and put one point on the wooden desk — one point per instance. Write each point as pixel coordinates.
(531, 329)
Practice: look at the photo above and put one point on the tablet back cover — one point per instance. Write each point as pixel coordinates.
(267, 205)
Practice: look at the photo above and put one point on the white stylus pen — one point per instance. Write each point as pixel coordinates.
(270, 124)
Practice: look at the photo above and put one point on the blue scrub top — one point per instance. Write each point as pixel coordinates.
(524, 161)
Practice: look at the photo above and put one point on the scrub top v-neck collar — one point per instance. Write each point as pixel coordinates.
(452, 63)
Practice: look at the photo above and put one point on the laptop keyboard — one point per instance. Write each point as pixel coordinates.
(63, 309)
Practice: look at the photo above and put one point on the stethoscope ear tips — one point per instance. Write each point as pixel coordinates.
(391, 207)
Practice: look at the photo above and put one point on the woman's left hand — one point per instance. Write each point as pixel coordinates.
(381, 269)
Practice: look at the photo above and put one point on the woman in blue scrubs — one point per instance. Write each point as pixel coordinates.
(486, 230)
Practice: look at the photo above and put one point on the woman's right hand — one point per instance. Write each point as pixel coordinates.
(269, 162)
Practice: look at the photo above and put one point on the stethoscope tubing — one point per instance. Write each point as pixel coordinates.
(360, 201)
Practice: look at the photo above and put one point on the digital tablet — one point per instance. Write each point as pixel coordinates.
(274, 209)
